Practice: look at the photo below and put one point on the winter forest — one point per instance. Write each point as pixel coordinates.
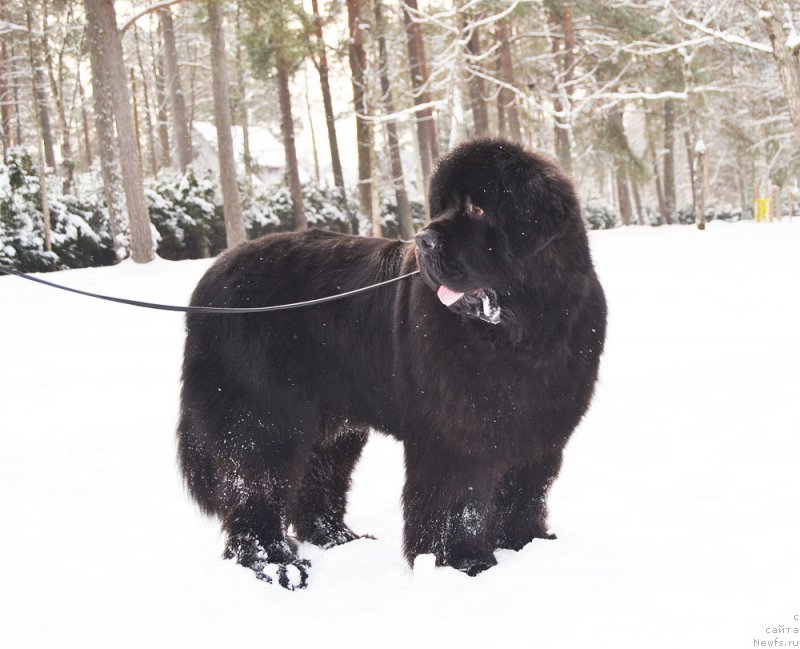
(142, 138)
(181, 128)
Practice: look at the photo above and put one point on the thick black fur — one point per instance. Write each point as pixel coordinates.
(276, 406)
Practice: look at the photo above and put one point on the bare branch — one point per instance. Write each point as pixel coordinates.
(147, 10)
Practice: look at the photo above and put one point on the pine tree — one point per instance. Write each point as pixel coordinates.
(102, 20)
(281, 51)
(180, 129)
(232, 206)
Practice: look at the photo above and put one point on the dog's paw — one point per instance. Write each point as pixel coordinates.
(473, 567)
(329, 535)
(520, 540)
(277, 561)
(291, 576)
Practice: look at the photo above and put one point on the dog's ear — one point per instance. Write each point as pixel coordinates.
(537, 202)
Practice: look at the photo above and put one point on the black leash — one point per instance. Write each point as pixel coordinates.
(208, 309)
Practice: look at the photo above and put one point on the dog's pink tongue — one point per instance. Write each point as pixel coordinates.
(448, 296)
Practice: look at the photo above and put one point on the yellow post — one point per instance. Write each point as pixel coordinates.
(762, 209)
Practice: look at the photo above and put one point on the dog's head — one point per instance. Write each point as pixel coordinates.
(493, 207)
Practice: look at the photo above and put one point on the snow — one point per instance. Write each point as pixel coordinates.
(493, 313)
(676, 509)
(793, 40)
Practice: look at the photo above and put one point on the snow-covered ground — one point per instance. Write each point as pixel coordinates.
(676, 510)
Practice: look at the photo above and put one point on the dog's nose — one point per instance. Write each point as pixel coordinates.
(427, 240)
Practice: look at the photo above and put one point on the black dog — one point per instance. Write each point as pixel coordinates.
(482, 369)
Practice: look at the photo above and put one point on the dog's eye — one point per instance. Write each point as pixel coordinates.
(475, 211)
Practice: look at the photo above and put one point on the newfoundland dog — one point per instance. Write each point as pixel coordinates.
(482, 366)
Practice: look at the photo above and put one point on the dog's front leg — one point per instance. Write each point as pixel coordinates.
(447, 503)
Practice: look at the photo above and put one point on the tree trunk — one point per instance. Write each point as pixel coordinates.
(17, 117)
(287, 131)
(430, 119)
(37, 109)
(231, 203)
(687, 143)
(87, 139)
(5, 95)
(569, 69)
(377, 228)
(664, 217)
(775, 207)
(243, 116)
(135, 106)
(700, 171)
(559, 132)
(313, 134)
(244, 120)
(330, 121)
(67, 169)
(502, 129)
(180, 130)
(43, 195)
(621, 162)
(623, 198)
(39, 88)
(637, 200)
(358, 63)
(651, 151)
(507, 77)
(398, 178)
(695, 147)
(148, 119)
(106, 136)
(480, 112)
(192, 85)
(744, 202)
(788, 61)
(695, 154)
(669, 161)
(563, 90)
(161, 104)
(426, 127)
(101, 12)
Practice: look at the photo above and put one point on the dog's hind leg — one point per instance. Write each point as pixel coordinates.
(256, 473)
(318, 506)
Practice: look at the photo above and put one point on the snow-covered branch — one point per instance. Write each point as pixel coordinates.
(154, 7)
(732, 39)
(7, 27)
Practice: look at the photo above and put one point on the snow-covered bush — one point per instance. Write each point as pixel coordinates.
(723, 213)
(686, 215)
(80, 231)
(79, 227)
(270, 210)
(187, 213)
(389, 225)
(325, 208)
(599, 215)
